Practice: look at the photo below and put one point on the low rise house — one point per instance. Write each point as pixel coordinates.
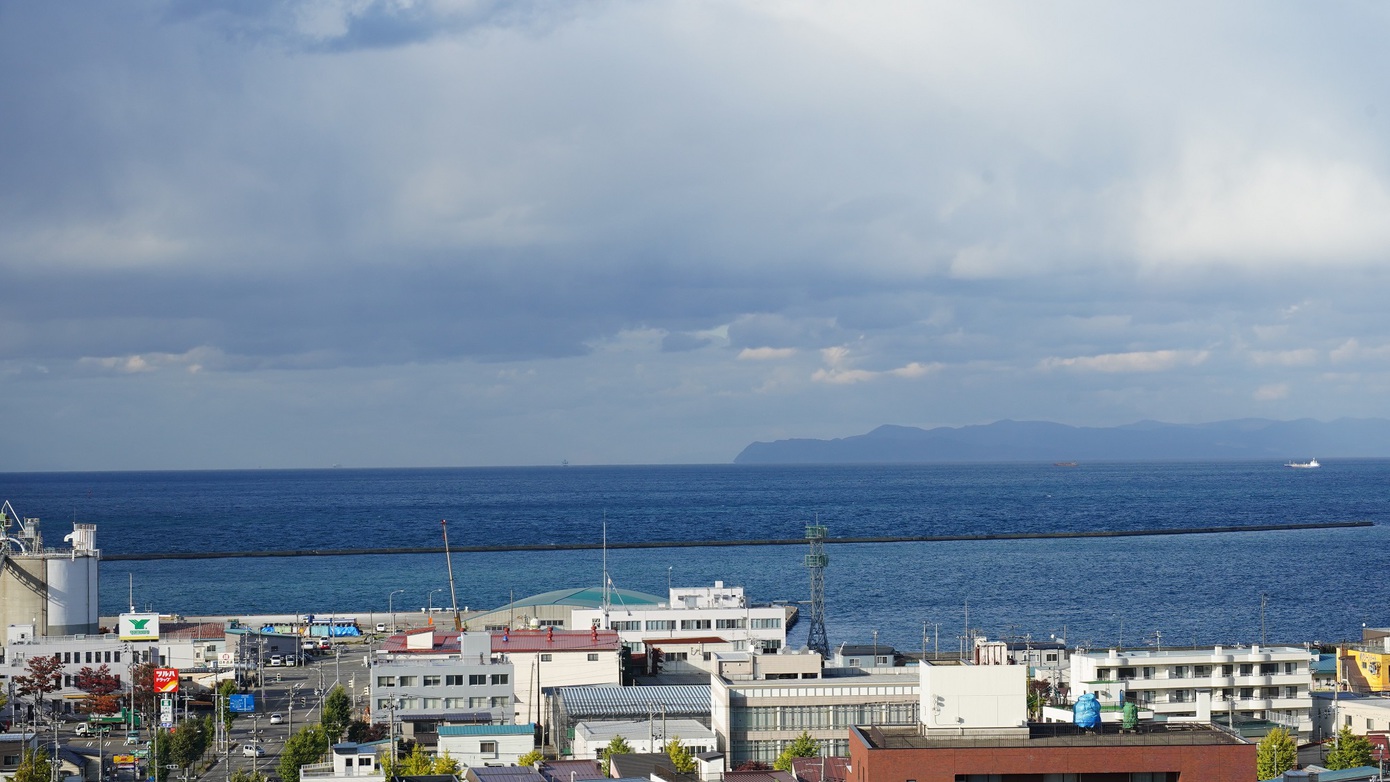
(348, 760)
(487, 745)
(556, 658)
(566, 707)
(649, 735)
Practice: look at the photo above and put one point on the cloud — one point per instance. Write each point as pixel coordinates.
(1272, 392)
(839, 372)
(765, 354)
(1139, 361)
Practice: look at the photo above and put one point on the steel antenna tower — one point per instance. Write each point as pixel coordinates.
(816, 561)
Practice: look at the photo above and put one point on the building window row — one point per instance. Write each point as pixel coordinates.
(494, 702)
(774, 623)
(80, 658)
(450, 680)
(824, 717)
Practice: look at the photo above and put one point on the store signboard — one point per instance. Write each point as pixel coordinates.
(139, 627)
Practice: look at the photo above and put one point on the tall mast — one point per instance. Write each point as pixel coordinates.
(453, 595)
(605, 570)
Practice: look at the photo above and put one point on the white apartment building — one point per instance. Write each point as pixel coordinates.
(710, 613)
(75, 652)
(556, 658)
(423, 678)
(1205, 685)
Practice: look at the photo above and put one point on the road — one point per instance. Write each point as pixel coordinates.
(294, 692)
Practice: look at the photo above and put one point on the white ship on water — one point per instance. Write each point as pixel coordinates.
(1308, 465)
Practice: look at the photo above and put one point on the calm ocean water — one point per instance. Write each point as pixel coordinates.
(1321, 585)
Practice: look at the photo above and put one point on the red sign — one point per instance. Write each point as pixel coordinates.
(166, 679)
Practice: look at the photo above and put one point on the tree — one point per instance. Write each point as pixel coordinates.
(681, 758)
(103, 690)
(617, 746)
(418, 763)
(530, 758)
(802, 746)
(225, 690)
(1038, 694)
(242, 775)
(337, 713)
(45, 675)
(142, 681)
(190, 741)
(1275, 754)
(359, 732)
(33, 767)
(1351, 751)
(303, 748)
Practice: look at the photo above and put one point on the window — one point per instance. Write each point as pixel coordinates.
(494, 628)
(661, 624)
(386, 681)
(108, 657)
(383, 704)
(550, 623)
(477, 679)
(499, 702)
(767, 624)
(1201, 671)
(430, 680)
(1290, 668)
(430, 703)
(695, 624)
(500, 678)
(593, 657)
(627, 627)
(477, 703)
(1246, 693)
(1290, 692)
(676, 656)
(547, 657)
(364, 760)
(1179, 672)
(1246, 669)
(408, 681)
(1148, 672)
(1126, 673)
(453, 680)
(1050, 657)
(1269, 669)
(117, 656)
(89, 656)
(1228, 670)
(728, 624)
(487, 748)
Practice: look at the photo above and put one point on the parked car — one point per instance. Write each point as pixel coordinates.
(381, 627)
(252, 751)
(276, 719)
(276, 660)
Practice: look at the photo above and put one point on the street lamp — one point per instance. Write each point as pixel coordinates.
(391, 606)
(431, 598)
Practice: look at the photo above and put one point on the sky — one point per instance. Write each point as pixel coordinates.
(437, 233)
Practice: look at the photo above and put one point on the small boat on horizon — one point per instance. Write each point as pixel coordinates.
(1308, 465)
(1064, 464)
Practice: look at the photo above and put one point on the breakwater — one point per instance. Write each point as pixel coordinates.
(674, 544)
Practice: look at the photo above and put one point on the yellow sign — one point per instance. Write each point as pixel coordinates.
(123, 760)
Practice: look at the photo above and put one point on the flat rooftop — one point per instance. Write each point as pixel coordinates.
(1056, 735)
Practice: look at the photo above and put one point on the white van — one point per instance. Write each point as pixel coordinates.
(276, 660)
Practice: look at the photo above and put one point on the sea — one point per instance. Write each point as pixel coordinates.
(1297, 586)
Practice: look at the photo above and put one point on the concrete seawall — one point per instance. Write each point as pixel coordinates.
(656, 544)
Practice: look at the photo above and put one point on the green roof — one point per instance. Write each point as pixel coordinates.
(586, 597)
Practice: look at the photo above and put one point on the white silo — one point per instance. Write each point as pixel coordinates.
(55, 590)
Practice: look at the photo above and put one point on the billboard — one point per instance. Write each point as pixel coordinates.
(139, 627)
(242, 704)
(166, 679)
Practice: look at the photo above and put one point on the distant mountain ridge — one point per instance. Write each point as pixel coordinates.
(1043, 441)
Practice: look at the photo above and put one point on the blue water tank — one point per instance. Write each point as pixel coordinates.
(1086, 712)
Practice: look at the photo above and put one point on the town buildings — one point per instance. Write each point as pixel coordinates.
(759, 703)
(1226, 684)
(698, 615)
(424, 678)
(974, 726)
